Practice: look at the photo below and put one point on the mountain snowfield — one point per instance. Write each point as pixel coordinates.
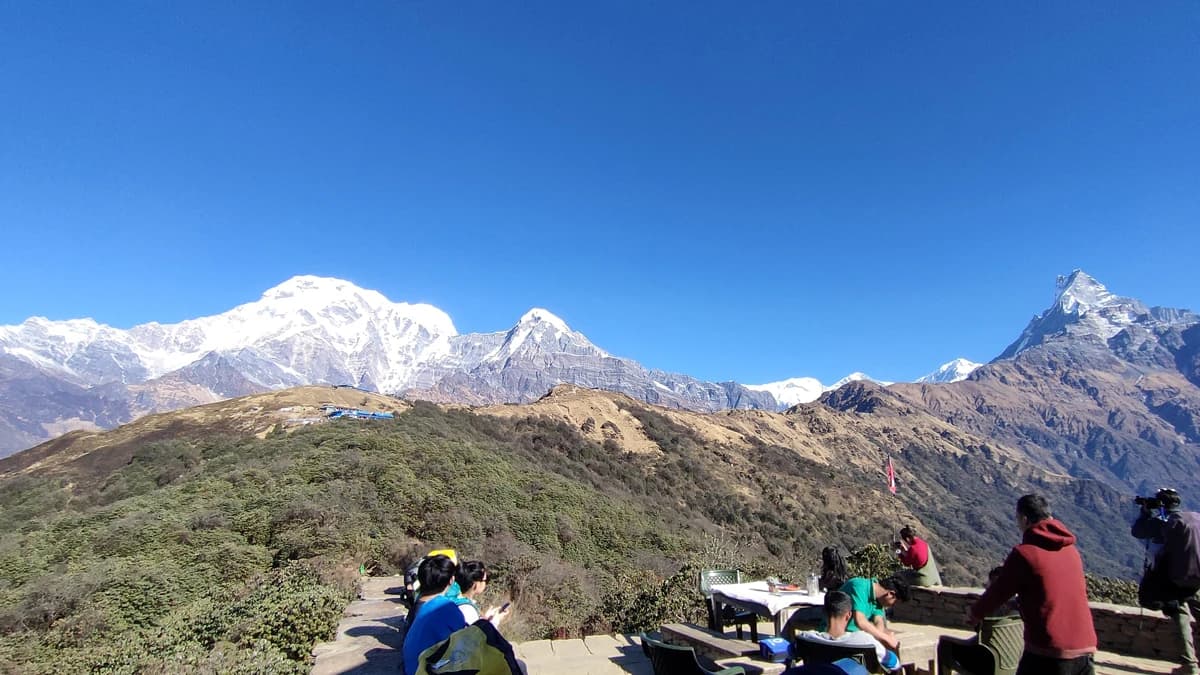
(955, 371)
(792, 391)
(306, 328)
(798, 390)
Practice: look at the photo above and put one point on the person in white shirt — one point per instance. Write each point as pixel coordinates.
(838, 609)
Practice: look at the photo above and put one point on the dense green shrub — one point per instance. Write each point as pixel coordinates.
(873, 560)
(1116, 591)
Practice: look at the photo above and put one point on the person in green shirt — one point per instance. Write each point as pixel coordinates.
(871, 599)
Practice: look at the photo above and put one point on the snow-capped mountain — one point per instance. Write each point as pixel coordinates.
(792, 391)
(1083, 308)
(311, 330)
(306, 329)
(954, 371)
(798, 390)
(856, 377)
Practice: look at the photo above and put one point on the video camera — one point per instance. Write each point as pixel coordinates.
(1150, 503)
(1164, 498)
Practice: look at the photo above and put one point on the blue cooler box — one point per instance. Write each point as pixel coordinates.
(773, 649)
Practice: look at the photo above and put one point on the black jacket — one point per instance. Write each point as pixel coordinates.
(1179, 559)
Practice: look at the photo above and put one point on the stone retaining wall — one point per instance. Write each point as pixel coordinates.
(1124, 630)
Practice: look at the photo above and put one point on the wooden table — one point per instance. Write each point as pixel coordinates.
(754, 597)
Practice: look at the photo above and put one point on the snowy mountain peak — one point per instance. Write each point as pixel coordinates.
(855, 377)
(1079, 293)
(311, 285)
(539, 315)
(541, 332)
(954, 371)
(1082, 307)
(791, 391)
(342, 301)
(322, 292)
(797, 390)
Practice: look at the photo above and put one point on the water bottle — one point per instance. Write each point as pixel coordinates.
(814, 584)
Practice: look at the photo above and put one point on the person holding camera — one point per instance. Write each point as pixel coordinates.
(1171, 580)
(914, 554)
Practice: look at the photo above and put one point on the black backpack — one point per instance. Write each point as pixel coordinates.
(1180, 556)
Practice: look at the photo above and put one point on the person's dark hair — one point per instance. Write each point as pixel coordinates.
(834, 572)
(899, 586)
(837, 603)
(907, 533)
(995, 573)
(470, 571)
(1034, 508)
(435, 574)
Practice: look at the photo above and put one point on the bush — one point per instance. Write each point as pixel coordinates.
(873, 560)
(1116, 591)
(290, 609)
(636, 603)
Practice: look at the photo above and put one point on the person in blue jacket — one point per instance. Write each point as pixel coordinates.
(434, 616)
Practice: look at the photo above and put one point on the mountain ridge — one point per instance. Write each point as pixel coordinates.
(313, 330)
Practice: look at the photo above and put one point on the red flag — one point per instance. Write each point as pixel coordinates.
(891, 475)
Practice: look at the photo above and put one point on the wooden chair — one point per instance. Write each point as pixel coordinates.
(729, 617)
(675, 660)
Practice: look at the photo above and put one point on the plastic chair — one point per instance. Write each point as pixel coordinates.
(676, 660)
(1004, 638)
(729, 617)
(818, 652)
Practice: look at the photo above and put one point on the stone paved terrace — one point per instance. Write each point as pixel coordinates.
(368, 642)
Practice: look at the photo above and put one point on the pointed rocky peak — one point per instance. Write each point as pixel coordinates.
(1079, 292)
(540, 331)
(1083, 308)
(954, 371)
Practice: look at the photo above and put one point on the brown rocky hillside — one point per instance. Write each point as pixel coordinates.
(93, 453)
(820, 466)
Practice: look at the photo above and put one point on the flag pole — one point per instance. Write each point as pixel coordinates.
(891, 476)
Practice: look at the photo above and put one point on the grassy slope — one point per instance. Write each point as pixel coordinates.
(225, 552)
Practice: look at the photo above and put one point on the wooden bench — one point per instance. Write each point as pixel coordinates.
(917, 647)
(707, 643)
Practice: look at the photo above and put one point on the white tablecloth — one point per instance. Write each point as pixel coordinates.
(756, 592)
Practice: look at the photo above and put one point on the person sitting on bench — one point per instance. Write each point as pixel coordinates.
(839, 610)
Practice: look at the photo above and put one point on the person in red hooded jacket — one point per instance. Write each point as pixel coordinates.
(1046, 573)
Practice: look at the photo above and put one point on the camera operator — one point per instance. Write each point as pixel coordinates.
(914, 554)
(1171, 581)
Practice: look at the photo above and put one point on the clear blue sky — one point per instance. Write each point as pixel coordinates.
(746, 191)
